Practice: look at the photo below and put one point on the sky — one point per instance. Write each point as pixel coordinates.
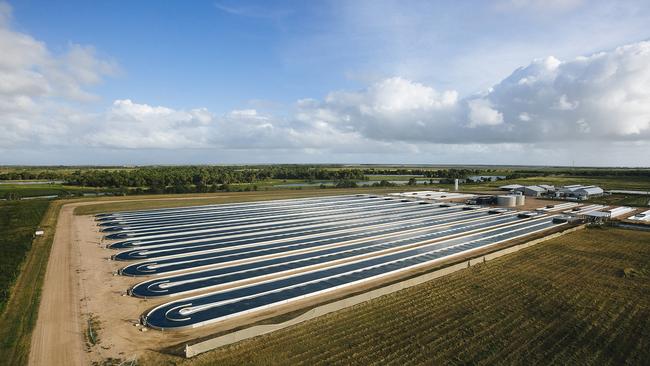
(528, 82)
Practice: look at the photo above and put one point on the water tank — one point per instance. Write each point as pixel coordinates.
(506, 201)
(520, 199)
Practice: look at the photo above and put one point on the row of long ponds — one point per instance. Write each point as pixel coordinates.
(218, 262)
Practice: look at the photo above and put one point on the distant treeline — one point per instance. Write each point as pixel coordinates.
(209, 175)
(165, 178)
(183, 175)
(604, 172)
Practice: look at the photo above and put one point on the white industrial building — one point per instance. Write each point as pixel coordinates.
(574, 192)
(532, 191)
(567, 190)
(581, 192)
(547, 187)
(588, 192)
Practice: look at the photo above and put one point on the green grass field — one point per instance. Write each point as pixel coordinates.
(18, 221)
(579, 299)
(623, 200)
(34, 190)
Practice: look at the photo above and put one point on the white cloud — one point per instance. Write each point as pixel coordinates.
(481, 113)
(28, 68)
(583, 126)
(38, 88)
(564, 105)
(246, 113)
(132, 125)
(596, 101)
(551, 6)
(607, 93)
(602, 97)
(397, 95)
(390, 110)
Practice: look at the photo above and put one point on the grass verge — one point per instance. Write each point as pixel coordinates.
(20, 313)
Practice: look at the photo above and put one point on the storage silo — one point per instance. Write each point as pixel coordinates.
(520, 199)
(506, 201)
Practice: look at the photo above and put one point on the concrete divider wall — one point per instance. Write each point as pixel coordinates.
(210, 344)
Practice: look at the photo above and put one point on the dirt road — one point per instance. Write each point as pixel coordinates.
(57, 338)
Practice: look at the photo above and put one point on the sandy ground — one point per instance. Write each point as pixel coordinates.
(56, 339)
(80, 283)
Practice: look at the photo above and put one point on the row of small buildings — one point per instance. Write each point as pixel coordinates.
(570, 192)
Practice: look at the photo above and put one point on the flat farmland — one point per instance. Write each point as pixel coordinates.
(578, 299)
(18, 221)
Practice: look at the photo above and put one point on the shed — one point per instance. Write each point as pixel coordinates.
(587, 192)
(533, 191)
(568, 190)
(547, 187)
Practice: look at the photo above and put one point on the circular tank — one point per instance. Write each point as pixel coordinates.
(506, 201)
(520, 199)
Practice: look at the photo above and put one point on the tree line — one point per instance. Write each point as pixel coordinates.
(183, 175)
(209, 178)
(176, 175)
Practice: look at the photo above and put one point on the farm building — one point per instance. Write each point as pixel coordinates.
(532, 191)
(568, 190)
(547, 187)
(588, 192)
(581, 192)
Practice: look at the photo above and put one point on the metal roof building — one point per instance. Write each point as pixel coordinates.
(570, 188)
(511, 187)
(591, 191)
(581, 192)
(547, 187)
(533, 191)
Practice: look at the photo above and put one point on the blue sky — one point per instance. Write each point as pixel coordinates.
(177, 55)
(144, 82)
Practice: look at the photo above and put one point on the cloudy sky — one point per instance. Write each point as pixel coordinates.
(547, 82)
